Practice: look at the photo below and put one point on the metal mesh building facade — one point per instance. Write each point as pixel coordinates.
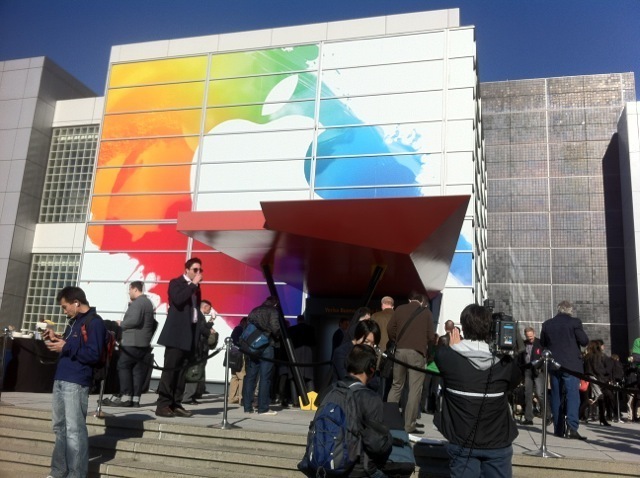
(554, 206)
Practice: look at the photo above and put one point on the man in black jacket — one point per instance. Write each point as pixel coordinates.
(265, 318)
(533, 378)
(376, 440)
(177, 336)
(563, 335)
(475, 415)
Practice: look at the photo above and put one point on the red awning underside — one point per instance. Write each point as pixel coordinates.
(329, 248)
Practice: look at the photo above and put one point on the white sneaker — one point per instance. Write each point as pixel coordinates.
(269, 412)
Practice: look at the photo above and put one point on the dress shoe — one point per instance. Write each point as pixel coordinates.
(416, 431)
(126, 403)
(605, 423)
(193, 401)
(527, 422)
(419, 425)
(165, 412)
(111, 402)
(181, 412)
(574, 435)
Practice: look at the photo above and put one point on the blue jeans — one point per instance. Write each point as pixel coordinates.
(255, 366)
(70, 457)
(474, 463)
(571, 386)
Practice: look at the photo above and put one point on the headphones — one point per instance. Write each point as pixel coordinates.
(372, 363)
(371, 366)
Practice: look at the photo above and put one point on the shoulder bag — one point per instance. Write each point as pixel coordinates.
(253, 340)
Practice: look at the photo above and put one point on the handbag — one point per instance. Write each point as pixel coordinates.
(195, 373)
(253, 340)
(212, 341)
(386, 364)
(584, 385)
(236, 359)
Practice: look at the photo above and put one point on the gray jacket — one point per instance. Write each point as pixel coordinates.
(139, 323)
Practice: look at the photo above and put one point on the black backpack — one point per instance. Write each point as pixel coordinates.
(101, 367)
(334, 441)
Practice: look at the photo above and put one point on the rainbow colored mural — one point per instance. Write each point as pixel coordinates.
(226, 131)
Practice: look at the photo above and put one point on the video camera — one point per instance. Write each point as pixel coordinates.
(503, 331)
(503, 334)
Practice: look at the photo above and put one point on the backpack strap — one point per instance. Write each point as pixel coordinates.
(84, 327)
(351, 389)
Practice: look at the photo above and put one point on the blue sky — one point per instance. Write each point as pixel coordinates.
(516, 38)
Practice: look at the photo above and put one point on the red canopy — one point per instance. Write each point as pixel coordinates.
(329, 248)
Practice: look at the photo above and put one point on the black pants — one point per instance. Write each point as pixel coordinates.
(133, 367)
(171, 387)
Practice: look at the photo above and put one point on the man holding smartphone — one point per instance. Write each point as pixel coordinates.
(177, 336)
(79, 352)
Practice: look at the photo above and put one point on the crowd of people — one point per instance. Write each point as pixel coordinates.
(470, 391)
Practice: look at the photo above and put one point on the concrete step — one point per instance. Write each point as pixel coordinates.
(184, 447)
(189, 454)
(150, 428)
(145, 447)
(14, 463)
(16, 460)
(534, 467)
(28, 446)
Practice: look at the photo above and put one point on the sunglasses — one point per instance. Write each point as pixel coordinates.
(197, 269)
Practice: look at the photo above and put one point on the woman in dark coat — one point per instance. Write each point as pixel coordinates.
(594, 366)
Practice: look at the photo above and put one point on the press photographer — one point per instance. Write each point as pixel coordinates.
(475, 415)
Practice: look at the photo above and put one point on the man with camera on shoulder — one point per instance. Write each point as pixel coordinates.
(475, 415)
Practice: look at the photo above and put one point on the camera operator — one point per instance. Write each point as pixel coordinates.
(475, 415)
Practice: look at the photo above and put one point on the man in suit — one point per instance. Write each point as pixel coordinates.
(533, 378)
(177, 336)
(563, 335)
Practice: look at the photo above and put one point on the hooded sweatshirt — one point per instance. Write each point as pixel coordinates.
(475, 409)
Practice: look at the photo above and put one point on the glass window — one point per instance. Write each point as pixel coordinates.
(259, 89)
(49, 273)
(260, 62)
(67, 183)
(157, 97)
(158, 71)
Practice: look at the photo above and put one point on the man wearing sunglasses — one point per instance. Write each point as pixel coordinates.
(177, 336)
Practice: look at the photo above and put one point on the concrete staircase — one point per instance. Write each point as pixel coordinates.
(148, 448)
